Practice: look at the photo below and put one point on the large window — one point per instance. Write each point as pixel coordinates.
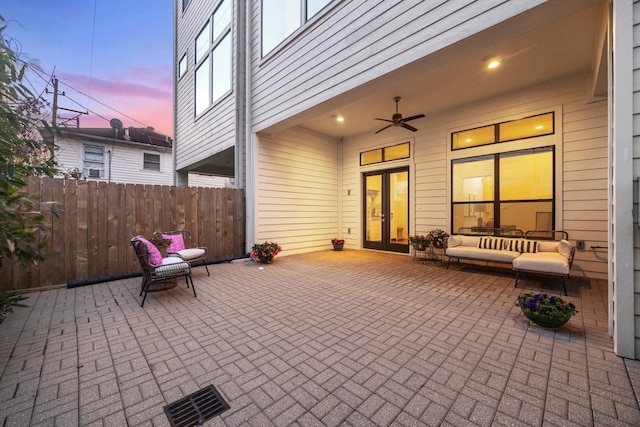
(280, 18)
(213, 57)
(512, 190)
(94, 161)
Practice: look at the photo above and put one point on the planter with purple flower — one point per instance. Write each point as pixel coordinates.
(546, 311)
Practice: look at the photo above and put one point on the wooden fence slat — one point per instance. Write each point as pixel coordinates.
(91, 239)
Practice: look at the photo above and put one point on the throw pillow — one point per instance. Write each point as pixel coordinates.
(177, 243)
(155, 257)
(490, 243)
(524, 246)
(565, 247)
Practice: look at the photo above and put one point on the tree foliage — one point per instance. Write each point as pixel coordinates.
(21, 156)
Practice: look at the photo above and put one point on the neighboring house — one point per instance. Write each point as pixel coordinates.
(126, 155)
(285, 101)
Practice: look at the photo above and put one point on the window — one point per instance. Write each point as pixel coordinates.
(93, 161)
(213, 57)
(151, 162)
(512, 190)
(281, 18)
(185, 3)
(528, 127)
(386, 154)
(182, 66)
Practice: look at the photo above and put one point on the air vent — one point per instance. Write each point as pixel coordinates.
(196, 408)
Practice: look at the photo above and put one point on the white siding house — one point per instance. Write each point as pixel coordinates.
(129, 155)
(274, 127)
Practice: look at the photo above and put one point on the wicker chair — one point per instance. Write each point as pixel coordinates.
(170, 268)
(186, 249)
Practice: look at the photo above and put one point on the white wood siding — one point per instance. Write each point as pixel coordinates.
(297, 190)
(198, 138)
(126, 162)
(581, 149)
(636, 172)
(354, 42)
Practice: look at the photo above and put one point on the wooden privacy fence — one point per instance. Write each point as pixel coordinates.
(91, 238)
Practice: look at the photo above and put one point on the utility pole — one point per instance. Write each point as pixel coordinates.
(55, 102)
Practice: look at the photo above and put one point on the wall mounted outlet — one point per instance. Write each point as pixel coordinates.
(580, 244)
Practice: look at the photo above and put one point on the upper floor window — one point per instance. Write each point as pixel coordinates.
(94, 161)
(182, 66)
(281, 18)
(185, 3)
(151, 162)
(213, 58)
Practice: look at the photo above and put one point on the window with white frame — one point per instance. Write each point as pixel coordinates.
(182, 66)
(281, 18)
(213, 58)
(151, 162)
(94, 161)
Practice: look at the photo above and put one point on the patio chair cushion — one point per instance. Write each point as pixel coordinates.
(565, 247)
(155, 257)
(177, 242)
(190, 254)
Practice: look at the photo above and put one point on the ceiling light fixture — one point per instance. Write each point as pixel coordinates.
(340, 119)
(493, 64)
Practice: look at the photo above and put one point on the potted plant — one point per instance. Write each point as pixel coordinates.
(420, 242)
(264, 252)
(338, 244)
(546, 311)
(437, 238)
(161, 243)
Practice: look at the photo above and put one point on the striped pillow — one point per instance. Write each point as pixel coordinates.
(524, 246)
(490, 243)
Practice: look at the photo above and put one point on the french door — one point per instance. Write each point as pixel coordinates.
(386, 210)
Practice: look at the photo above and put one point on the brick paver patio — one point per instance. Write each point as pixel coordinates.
(331, 338)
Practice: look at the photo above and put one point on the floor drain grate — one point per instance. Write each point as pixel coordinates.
(195, 409)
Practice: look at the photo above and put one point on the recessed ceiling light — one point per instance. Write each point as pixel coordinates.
(493, 64)
(340, 119)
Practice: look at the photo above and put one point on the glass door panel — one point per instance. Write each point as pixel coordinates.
(386, 210)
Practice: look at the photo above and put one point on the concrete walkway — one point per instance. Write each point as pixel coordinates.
(332, 338)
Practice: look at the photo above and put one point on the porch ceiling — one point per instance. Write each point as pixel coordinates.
(557, 39)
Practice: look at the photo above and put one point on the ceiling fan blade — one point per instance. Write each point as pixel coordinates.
(411, 128)
(419, 116)
(384, 120)
(383, 128)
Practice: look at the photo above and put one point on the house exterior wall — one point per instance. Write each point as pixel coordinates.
(199, 137)
(297, 190)
(352, 43)
(126, 163)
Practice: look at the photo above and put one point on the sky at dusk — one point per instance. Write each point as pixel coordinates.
(113, 52)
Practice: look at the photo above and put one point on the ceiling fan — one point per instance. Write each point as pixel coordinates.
(397, 119)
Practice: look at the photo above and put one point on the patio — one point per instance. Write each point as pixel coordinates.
(327, 338)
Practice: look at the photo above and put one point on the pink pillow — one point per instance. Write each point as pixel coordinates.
(177, 243)
(155, 257)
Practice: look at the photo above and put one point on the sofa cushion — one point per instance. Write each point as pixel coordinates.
(490, 243)
(543, 262)
(469, 240)
(547, 246)
(454, 241)
(482, 254)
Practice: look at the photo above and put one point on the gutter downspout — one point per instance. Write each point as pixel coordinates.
(175, 92)
(250, 151)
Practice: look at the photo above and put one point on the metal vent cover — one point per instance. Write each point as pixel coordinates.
(196, 408)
